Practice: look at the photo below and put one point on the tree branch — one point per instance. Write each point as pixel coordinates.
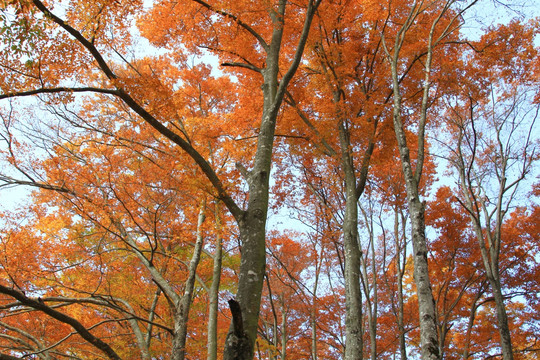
(75, 324)
(237, 20)
(57, 90)
(145, 115)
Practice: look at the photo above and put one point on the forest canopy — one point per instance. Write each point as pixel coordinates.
(242, 179)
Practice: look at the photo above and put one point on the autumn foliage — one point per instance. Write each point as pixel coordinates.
(202, 175)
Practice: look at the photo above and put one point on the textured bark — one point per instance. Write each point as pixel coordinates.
(239, 345)
(502, 320)
(370, 288)
(214, 292)
(284, 335)
(313, 319)
(429, 343)
(400, 271)
(354, 187)
(426, 304)
(470, 322)
(252, 223)
(490, 259)
(182, 308)
(353, 291)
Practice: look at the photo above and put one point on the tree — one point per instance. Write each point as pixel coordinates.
(443, 22)
(459, 282)
(155, 176)
(495, 150)
(88, 42)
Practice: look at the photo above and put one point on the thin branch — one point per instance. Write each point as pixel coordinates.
(237, 20)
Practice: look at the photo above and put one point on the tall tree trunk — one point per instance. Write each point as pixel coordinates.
(470, 322)
(370, 288)
(214, 291)
(353, 292)
(252, 224)
(400, 271)
(426, 304)
(354, 187)
(313, 336)
(489, 242)
(313, 314)
(241, 337)
(429, 342)
(182, 307)
(502, 319)
(490, 257)
(284, 335)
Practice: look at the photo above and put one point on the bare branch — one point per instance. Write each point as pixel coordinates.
(58, 90)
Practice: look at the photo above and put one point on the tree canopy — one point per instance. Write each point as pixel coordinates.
(269, 179)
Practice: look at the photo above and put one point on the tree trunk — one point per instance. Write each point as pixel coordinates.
(241, 337)
(252, 224)
(470, 322)
(502, 320)
(182, 308)
(313, 314)
(426, 304)
(214, 292)
(400, 271)
(284, 335)
(429, 344)
(371, 288)
(490, 250)
(353, 292)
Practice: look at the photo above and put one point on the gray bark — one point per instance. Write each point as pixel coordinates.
(184, 304)
(151, 317)
(284, 336)
(313, 314)
(353, 292)
(400, 271)
(370, 287)
(429, 343)
(426, 305)
(252, 223)
(470, 322)
(490, 250)
(488, 236)
(214, 292)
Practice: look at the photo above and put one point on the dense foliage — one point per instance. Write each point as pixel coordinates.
(271, 179)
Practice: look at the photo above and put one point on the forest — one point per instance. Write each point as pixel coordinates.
(272, 179)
